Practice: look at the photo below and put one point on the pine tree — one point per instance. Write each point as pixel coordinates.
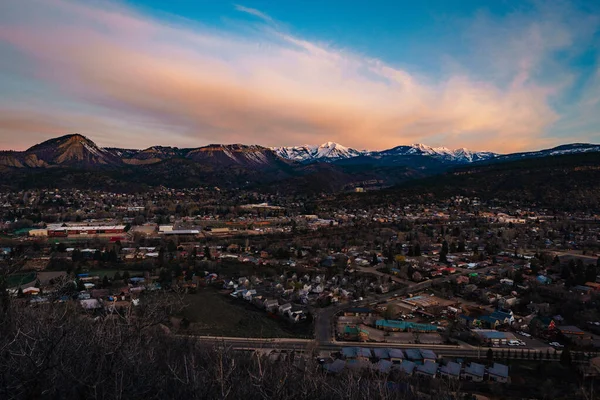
(417, 250)
(565, 357)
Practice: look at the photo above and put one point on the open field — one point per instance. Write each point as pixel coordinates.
(216, 314)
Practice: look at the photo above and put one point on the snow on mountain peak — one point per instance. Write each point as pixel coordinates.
(332, 151)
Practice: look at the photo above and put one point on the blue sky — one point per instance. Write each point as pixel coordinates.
(489, 75)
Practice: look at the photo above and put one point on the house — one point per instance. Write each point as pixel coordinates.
(352, 353)
(396, 355)
(355, 333)
(474, 372)
(490, 336)
(428, 369)
(335, 367)
(451, 370)
(384, 366)
(381, 353)
(90, 304)
(428, 355)
(413, 355)
(498, 373)
(407, 367)
(271, 305)
(359, 312)
(285, 308)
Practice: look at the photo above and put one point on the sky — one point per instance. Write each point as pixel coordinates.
(497, 75)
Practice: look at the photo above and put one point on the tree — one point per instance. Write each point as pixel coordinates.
(443, 256)
(390, 312)
(117, 276)
(417, 250)
(126, 276)
(375, 260)
(590, 273)
(105, 281)
(112, 256)
(565, 357)
(490, 355)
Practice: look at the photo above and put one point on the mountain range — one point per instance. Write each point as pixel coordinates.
(331, 152)
(329, 167)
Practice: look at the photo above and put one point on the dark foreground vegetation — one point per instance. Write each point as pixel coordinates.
(56, 352)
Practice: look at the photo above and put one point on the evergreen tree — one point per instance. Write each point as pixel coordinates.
(565, 357)
(417, 250)
(374, 261)
(117, 276)
(590, 273)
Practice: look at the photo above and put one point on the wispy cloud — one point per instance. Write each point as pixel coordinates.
(152, 82)
(255, 12)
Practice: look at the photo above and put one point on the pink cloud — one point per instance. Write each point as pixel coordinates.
(192, 86)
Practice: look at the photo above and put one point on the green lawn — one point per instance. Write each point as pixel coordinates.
(214, 314)
(20, 279)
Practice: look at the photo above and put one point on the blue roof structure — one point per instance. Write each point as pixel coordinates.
(395, 353)
(427, 354)
(381, 353)
(429, 368)
(475, 369)
(354, 352)
(406, 367)
(413, 354)
(335, 367)
(452, 369)
(384, 366)
(501, 315)
(349, 352)
(500, 370)
(405, 325)
(491, 334)
(364, 352)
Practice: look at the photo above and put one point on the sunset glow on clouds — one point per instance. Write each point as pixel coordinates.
(127, 78)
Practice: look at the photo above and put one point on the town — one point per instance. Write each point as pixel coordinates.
(459, 289)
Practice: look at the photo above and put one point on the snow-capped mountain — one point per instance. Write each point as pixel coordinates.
(329, 151)
(462, 156)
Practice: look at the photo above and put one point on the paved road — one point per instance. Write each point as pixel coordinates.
(325, 317)
(305, 345)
